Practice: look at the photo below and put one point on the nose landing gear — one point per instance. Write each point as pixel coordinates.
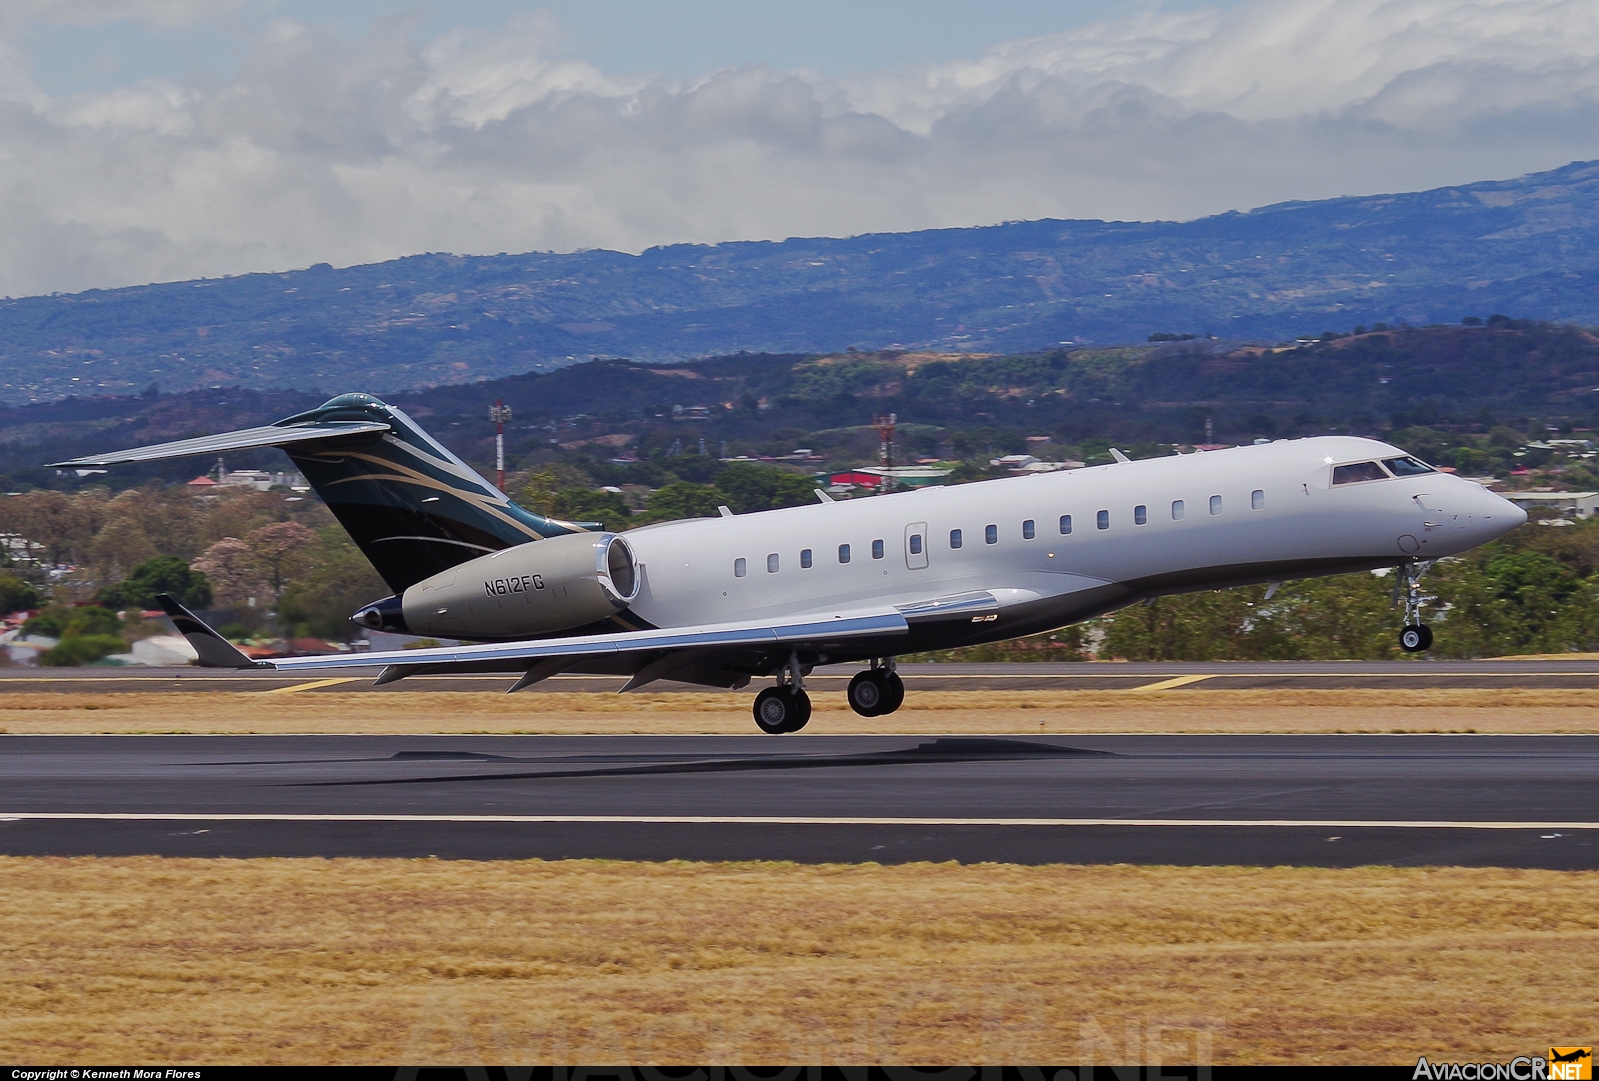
(1415, 636)
(785, 707)
(878, 691)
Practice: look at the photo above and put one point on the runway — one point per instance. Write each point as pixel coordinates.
(1517, 801)
(1087, 676)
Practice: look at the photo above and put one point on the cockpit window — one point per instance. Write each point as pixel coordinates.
(1407, 467)
(1355, 472)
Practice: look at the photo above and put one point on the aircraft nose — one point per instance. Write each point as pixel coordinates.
(1497, 514)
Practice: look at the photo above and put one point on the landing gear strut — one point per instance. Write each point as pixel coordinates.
(785, 707)
(878, 691)
(1415, 636)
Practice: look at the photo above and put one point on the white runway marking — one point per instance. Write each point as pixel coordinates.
(717, 820)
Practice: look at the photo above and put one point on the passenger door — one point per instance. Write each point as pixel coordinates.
(916, 546)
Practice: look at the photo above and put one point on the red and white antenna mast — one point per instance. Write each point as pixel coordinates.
(885, 447)
(499, 413)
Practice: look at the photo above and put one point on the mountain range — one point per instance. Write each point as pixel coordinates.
(1533, 376)
(1528, 246)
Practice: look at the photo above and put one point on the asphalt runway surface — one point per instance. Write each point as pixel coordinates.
(1329, 800)
(1224, 675)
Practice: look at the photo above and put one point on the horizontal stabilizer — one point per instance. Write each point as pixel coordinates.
(215, 651)
(270, 435)
(818, 629)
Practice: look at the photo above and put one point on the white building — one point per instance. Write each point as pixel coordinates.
(1569, 504)
(261, 480)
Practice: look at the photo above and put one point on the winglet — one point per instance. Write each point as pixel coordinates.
(215, 651)
(822, 496)
(1118, 455)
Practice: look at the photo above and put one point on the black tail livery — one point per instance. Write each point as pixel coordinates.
(414, 508)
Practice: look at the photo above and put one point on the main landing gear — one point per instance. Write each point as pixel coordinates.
(878, 691)
(1415, 636)
(785, 707)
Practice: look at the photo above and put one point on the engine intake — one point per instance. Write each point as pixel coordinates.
(555, 584)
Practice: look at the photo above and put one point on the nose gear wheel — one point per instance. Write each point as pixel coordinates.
(1415, 637)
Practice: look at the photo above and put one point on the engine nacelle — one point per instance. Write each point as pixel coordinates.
(549, 585)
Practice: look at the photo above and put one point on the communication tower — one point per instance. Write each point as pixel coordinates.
(499, 413)
(885, 447)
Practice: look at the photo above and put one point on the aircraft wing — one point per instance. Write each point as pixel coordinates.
(819, 629)
(270, 435)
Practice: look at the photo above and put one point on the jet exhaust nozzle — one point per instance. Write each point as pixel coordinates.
(387, 614)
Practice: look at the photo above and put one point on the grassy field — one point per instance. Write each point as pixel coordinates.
(1015, 712)
(359, 961)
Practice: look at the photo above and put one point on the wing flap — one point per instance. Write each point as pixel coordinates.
(709, 636)
(270, 435)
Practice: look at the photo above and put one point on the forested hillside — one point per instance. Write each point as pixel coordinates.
(1528, 246)
(1467, 396)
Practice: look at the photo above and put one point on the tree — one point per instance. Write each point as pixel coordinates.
(335, 583)
(587, 505)
(233, 570)
(81, 649)
(64, 524)
(682, 500)
(120, 544)
(16, 595)
(538, 495)
(751, 487)
(163, 574)
(279, 550)
(89, 619)
(1545, 604)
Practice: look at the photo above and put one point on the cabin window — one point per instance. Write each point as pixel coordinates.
(740, 568)
(805, 559)
(771, 563)
(1065, 524)
(1257, 499)
(991, 534)
(916, 544)
(877, 549)
(1356, 472)
(1177, 510)
(843, 553)
(1103, 519)
(1140, 514)
(954, 538)
(1407, 466)
(1215, 504)
(1028, 529)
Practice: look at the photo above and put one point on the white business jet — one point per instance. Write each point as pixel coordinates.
(719, 601)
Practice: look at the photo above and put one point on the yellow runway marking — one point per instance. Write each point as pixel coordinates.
(313, 685)
(1169, 684)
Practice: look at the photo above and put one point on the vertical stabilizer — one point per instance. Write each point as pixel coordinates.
(414, 508)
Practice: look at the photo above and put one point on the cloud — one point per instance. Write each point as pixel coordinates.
(326, 147)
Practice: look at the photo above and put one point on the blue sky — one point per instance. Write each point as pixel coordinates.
(151, 140)
(684, 37)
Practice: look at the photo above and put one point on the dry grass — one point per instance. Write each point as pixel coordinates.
(1055, 712)
(358, 961)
